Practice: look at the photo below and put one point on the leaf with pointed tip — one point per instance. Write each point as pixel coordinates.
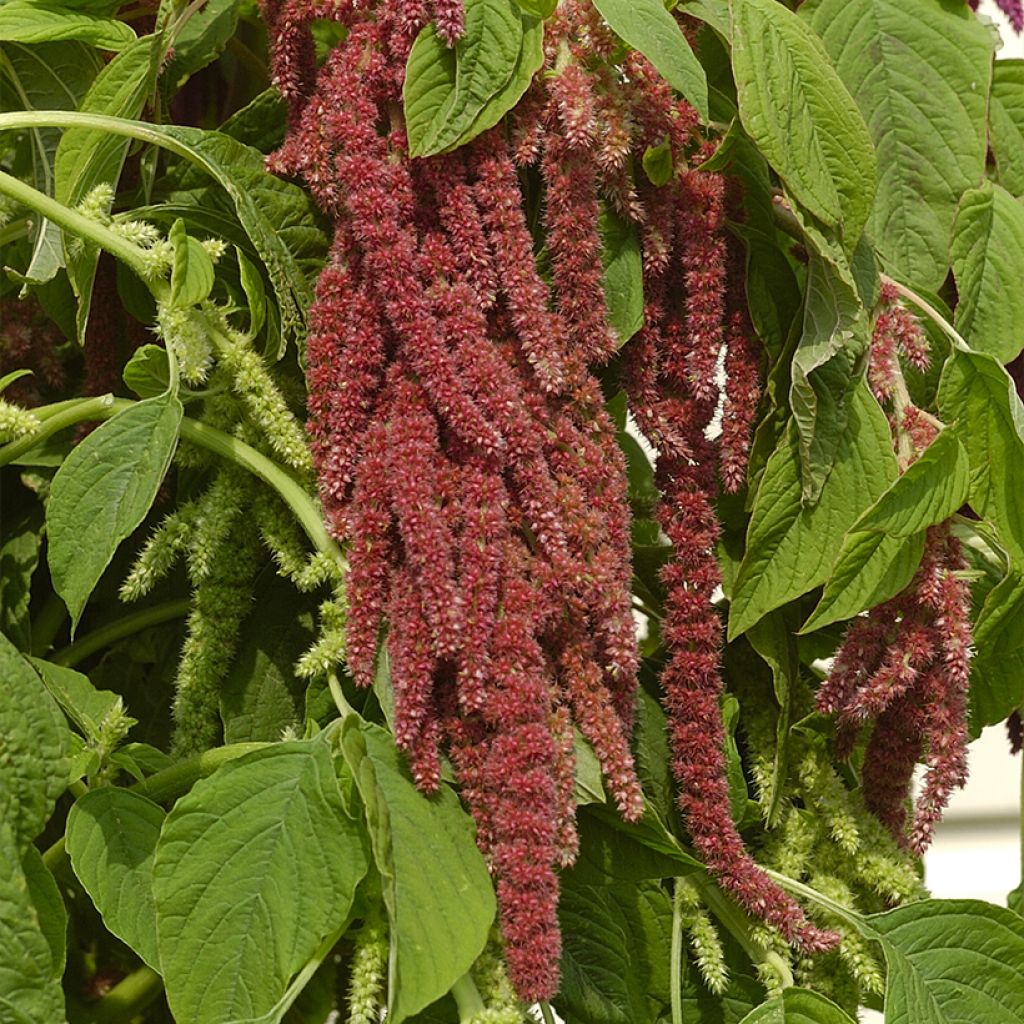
(798, 1006)
(111, 838)
(988, 253)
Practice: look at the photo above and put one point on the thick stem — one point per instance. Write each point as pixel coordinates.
(127, 999)
(547, 1014)
(127, 625)
(467, 998)
(80, 225)
(676, 963)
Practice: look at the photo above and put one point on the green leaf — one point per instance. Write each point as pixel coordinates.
(988, 252)
(148, 373)
(88, 157)
(538, 8)
(952, 961)
(790, 547)
(824, 369)
(997, 671)
(657, 163)
(276, 215)
(254, 868)
(798, 1006)
(112, 835)
(610, 965)
(255, 293)
(588, 778)
(260, 696)
(919, 72)
(1006, 124)
(444, 93)
(103, 491)
(436, 886)
(623, 274)
(978, 399)
(49, 907)
(31, 21)
(30, 988)
(48, 76)
(883, 548)
(650, 29)
(33, 766)
(199, 41)
(796, 108)
(192, 274)
(94, 711)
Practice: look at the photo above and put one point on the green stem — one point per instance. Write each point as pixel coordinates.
(930, 311)
(546, 1012)
(128, 998)
(47, 623)
(127, 625)
(467, 998)
(301, 979)
(676, 963)
(340, 700)
(302, 505)
(807, 892)
(54, 422)
(78, 224)
(735, 922)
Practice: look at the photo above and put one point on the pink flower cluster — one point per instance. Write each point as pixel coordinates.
(695, 315)
(463, 451)
(904, 668)
(1013, 9)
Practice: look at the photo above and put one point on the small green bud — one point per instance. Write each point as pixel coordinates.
(16, 422)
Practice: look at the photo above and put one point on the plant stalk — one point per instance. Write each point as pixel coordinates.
(128, 998)
(676, 962)
(127, 625)
(467, 998)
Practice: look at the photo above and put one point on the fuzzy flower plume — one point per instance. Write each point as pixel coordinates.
(903, 669)
(462, 449)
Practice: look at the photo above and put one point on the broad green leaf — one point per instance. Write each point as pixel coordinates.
(589, 779)
(32, 21)
(952, 961)
(988, 253)
(436, 886)
(798, 1006)
(919, 71)
(103, 491)
(95, 712)
(623, 274)
(790, 547)
(651, 30)
(48, 76)
(49, 907)
(254, 868)
(883, 548)
(997, 671)
(33, 766)
(607, 965)
(1006, 124)
(825, 366)
(796, 108)
(255, 293)
(192, 273)
(199, 41)
(872, 567)
(444, 95)
(259, 698)
(929, 492)
(87, 157)
(978, 399)
(657, 163)
(111, 838)
(30, 988)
